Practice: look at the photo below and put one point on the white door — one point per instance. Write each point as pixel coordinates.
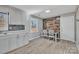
(67, 27)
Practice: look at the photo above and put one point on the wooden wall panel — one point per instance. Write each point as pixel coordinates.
(52, 23)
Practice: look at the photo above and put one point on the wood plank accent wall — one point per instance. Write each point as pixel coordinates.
(52, 23)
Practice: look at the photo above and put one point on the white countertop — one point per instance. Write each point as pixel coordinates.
(13, 32)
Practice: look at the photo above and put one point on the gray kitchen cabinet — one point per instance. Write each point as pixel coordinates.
(26, 38)
(3, 44)
(12, 42)
(20, 40)
(16, 16)
(8, 43)
(12, 18)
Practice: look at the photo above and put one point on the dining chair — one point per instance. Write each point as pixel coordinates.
(51, 35)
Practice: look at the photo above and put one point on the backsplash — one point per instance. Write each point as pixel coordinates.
(16, 27)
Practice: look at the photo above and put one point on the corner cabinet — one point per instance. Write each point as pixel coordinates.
(21, 40)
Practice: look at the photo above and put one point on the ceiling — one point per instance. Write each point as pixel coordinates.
(39, 10)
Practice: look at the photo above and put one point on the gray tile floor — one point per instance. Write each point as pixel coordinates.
(45, 46)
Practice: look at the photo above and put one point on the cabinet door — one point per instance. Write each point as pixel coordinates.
(67, 28)
(3, 44)
(20, 40)
(15, 16)
(12, 42)
(18, 17)
(12, 16)
(23, 18)
(26, 38)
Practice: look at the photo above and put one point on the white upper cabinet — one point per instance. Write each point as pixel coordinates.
(23, 18)
(12, 18)
(16, 17)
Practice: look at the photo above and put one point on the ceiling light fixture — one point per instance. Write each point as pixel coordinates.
(47, 11)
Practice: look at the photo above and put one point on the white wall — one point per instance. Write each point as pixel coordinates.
(67, 27)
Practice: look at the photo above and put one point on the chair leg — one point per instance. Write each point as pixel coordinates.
(52, 39)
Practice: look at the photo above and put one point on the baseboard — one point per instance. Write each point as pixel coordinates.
(16, 48)
(77, 45)
(21, 46)
(67, 40)
(34, 38)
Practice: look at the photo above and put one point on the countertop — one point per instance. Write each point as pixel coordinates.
(12, 33)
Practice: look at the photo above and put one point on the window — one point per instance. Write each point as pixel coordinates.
(4, 21)
(34, 24)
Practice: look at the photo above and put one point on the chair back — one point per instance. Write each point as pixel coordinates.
(51, 32)
(45, 32)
